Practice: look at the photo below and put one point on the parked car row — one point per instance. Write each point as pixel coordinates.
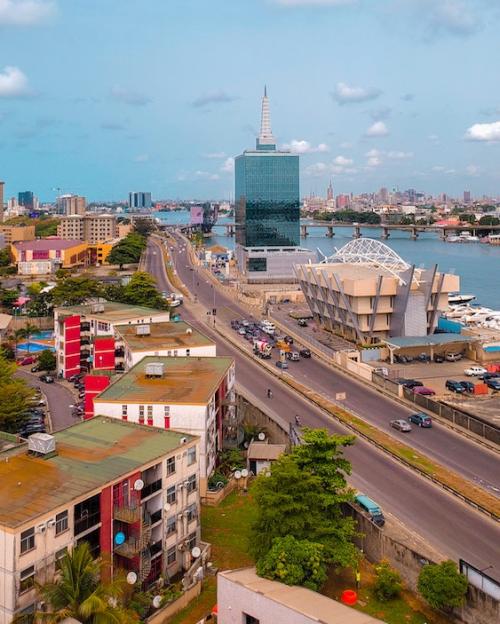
(438, 358)
(33, 419)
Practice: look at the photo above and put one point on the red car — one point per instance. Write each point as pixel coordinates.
(424, 390)
(27, 360)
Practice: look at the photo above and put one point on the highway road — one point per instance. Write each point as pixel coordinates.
(460, 454)
(452, 527)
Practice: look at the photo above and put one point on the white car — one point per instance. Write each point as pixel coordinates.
(475, 371)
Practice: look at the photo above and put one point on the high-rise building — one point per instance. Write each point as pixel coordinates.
(342, 202)
(71, 204)
(267, 214)
(467, 197)
(329, 192)
(1, 200)
(139, 199)
(26, 199)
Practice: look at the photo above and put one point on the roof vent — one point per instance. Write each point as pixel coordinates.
(97, 308)
(155, 369)
(143, 330)
(41, 444)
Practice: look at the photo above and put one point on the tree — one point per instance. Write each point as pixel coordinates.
(15, 397)
(128, 250)
(4, 257)
(388, 582)
(78, 592)
(144, 226)
(74, 290)
(8, 297)
(115, 292)
(294, 562)
(467, 217)
(489, 220)
(303, 497)
(47, 361)
(141, 290)
(442, 586)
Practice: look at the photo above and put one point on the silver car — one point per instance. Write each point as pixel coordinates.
(401, 425)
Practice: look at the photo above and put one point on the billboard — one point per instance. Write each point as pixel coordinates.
(196, 215)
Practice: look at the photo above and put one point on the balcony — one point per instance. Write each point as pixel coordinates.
(156, 516)
(150, 488)
(127, 513)
(132, 547)
(120, 352)
(84, 327)
(86, 522)
(155, 548)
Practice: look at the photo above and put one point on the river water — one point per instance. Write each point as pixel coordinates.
(478, 265)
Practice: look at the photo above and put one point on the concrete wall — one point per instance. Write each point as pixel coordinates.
(277, 432)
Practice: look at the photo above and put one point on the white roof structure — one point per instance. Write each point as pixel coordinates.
(266, 136)
(368, 251)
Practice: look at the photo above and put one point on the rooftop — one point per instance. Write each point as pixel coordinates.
(46, 244)
(186, 381)
(167, 335)
(308, 603)
(89, 455)
(265, 451)
(427, 341)
(113, 312)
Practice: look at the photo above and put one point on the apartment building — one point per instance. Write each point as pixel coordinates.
(71, 204)
(91, 228)
(130, 491)
(15, 233)
(85, 334)
(45, 255)
(133, 342)
(193, 394)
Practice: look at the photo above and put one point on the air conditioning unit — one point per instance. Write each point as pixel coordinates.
(186, 483)
(143, 330)
(41, 528)
(180, 486)
(181, 547)
(97, 308)
(41, 443)
(155, 369)
(179, 516)
(51, 523)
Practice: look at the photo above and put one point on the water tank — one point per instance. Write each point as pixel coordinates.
(143, 330)
(98, 308)
(155, 369)
(42, 443)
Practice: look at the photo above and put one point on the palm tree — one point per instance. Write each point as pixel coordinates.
(16, 337)
(78, 593)
(29, 330)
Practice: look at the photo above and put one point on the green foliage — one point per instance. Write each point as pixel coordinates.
(115, 292)
(78, 592)
(40, 305)
(294, 562)
(215, 479)
(442, 585)
(46, 226)
(144, 226)
(231, 460)
(303, 497)
(128, 250)
(348, 216)
(15, 397)
(467, 217)
(489, 220)
(388, 582)
(8, 296)
(47, 361)
(4, 257)
(75, 290)
(142, 290)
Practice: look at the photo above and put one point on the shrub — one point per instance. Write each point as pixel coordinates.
(442, 586)
(388, 583)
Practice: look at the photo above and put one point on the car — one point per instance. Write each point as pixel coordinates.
(242, 331)
(381, 370)
(439, 359)
(305, 353)
(487, 376)
(46, 379)
(245, 323)
(288, 339)
(282, 365)
(401, 425)
(27, 360)
(409, 383)
(302, 323)
(28, 430)
(468, 386)
(454, 386)
(494, 384)
(423, 390)
(36, 368)
(475, 371)
(293, 356)
(235, 324)
(421, 419)
(74, 378)
(453, 356)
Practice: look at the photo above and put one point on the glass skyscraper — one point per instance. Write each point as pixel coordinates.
(267, 196)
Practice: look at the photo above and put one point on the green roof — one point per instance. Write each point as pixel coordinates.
(434, 340)
(113, 311)
(186, 381)
(89, 455)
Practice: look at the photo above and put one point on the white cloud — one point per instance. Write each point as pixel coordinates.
(141, 158)
(484, 132)
(378, 129)
(451, 16)
(306, 3)
(25, 12)
(13, 83)
(339, 166)
(441, 169)
(215, 155)
(304, 147)
(228, 166)
(397, 155)
(129, 97)
(472, 170)
(342, 161)
(206, 175)
(213, 97)
(347, 94)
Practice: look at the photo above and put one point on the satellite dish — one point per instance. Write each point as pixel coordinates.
(244, 472)
(138, 485)
(131, 578)
(237, 474)
(196, 552)
(262, 436)
(119, 538)
(167, 506)
(157, 602)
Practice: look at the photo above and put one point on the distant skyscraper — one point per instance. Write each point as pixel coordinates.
(342, 202)
(467, 197)
(384, 195)
(267, 192)
(26, 199)
(329, 192)
(138, 200)
(1, 200)
(72, 204)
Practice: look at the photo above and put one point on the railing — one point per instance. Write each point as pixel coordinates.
(155, 548)
(132, 547)
(86, 522)
(156, 516)
(127, 513)
(151, 488)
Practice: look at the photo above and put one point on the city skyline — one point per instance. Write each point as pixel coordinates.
(398, 95)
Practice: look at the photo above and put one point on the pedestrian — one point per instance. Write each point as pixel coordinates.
(358, 578)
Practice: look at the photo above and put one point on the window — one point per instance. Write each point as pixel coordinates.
(257, 264)
(171, 495)
(141, 414)
(61, 522)
(166, 410)
(191, 455)
(191, 487)
(171, 525)
(250, 619)
(170, 465)
(191, 540)
(171, 555)
(188, 352)
(175, 352)
(192, 512)
(27, 540)
(59, 556)
(124, 411)
(27, 579)
(150, 415)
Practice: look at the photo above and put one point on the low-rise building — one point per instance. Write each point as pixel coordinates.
(261, 455)
(45, 255)
(129, 491)
(245, 598)
(85, 334)
(15, 233)
(5, 324)
(160, 339)
(193, 394)
(91, 228)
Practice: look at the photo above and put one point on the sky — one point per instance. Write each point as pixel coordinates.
(101, 97)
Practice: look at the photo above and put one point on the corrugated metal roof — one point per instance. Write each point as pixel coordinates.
(113, 311)
(164, 335)
(426, 341)
(89, 455)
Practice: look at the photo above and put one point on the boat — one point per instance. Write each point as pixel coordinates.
(456, 298)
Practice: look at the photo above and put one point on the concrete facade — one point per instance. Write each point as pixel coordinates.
(91, 228)
(15, 233)
(271, 264)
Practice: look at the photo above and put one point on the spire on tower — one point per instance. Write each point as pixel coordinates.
(266, 138)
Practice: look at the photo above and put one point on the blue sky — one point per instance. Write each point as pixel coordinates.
(99, 97)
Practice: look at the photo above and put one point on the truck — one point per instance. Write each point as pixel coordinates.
(262, 349)
(371, 507)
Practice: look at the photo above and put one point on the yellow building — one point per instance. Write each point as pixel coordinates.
(46, 255)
